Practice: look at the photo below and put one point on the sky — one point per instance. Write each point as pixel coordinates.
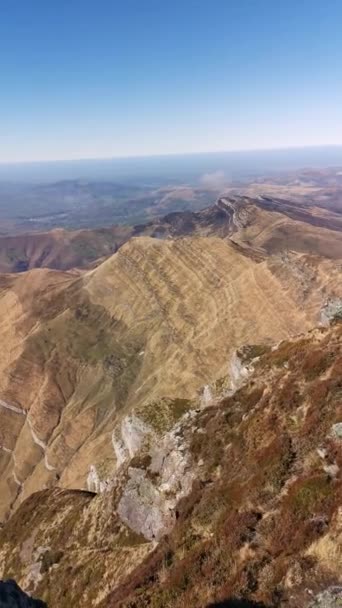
(107, 78)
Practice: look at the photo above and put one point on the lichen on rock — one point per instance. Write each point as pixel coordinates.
(329, 598)
(149, 498)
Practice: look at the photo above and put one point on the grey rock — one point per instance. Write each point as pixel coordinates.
(331, 310)
(336, 430)
(330, 598)
(238, 372)
(149, 498)
(144, 508)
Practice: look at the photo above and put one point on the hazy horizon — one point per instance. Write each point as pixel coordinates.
(171, 154)
(237, 164)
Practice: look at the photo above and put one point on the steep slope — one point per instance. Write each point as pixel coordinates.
(59, 249)
(149, 327)
(277, 225)
(258, 516)
(263, 520)
(270, 224)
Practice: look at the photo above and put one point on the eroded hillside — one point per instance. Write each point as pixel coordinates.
(155, 323)
(269, 224)
(59, 249)
(246, 488)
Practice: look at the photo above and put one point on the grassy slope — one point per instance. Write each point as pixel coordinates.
(261, 521)
(271, 225)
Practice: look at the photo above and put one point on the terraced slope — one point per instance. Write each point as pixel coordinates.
(276, 225)
(249, 488)
(270, 224)
(150, 326)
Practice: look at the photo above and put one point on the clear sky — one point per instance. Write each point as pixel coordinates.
(101, 78)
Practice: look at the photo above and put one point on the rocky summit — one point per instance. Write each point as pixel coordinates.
(170, 413)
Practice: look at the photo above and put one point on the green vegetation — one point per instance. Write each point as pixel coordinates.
(161, 415)
(86, 250)
(260, 501)
(307, 496)
(251, 351)
(49, 558)
(291, 353)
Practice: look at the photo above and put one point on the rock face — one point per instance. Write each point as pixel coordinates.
(336, 430)
(237, 498)
(164, 449)
(270, 225)
(331, 310)
(330, 598)
(150, 496)
(11, 596)
(157, 319)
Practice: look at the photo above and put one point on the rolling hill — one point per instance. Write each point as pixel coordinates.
(269, 224)
(143, 376)
(157, 320)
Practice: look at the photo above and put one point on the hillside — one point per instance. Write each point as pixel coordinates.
(240, 498)
(269, 224)
(162, 404)
(59, 249)
(153, 324)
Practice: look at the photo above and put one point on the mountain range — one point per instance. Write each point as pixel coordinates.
(170, 408)
(271, 224)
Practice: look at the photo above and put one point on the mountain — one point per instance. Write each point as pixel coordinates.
(81, 203)
(236, 504)
(151, 325)
(170, 409)
(270, 225)
(59, 249)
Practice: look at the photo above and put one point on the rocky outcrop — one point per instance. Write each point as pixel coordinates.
(331, 310)
(129, 438)
(151, 494)
(157, 319)
(336, 430)
(329, 598)
(263, 518)
(238, 372)
(241, 498)
(11, 596)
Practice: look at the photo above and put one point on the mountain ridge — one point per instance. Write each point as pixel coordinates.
(172, 400)
(156, 321)
(264, 223)
(260, 520)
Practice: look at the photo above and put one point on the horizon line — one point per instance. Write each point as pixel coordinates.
(165, 154)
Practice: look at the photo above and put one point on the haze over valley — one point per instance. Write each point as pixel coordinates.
(123, 340)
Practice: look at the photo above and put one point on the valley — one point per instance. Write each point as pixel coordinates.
(162, 386)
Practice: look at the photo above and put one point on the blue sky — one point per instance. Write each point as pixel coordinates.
(100, 78)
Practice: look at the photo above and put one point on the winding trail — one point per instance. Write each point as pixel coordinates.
(12, 408)
(4, 449)
(35, 438)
